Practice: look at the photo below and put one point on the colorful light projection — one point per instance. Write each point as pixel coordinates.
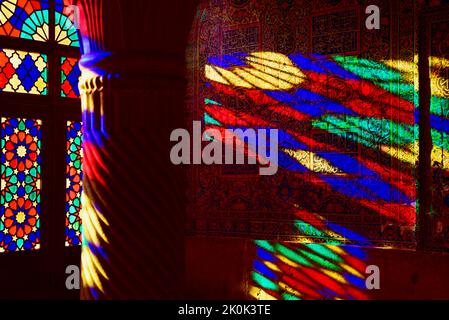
(308, 271)
(264, 70)
(26, 19)
(93, 257)
(74, 176)
(373, 107)
(400, 78)
(23, 72)
(21, 184)
(70, 73)
(317, 265)
(66, 32)
(335, 100)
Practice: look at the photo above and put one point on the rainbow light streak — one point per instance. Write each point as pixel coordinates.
(395, 128)
(373, 105)
(302, 271)
(94, 260)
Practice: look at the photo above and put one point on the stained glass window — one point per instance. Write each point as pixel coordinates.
(70, 73)
(20, 184)
(74, 176)
(27, 19)
(47, 22)
(66, 19)
(23, 72)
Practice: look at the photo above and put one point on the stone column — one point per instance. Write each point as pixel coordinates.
(132, 91)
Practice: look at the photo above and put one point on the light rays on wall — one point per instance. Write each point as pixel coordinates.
(371, 105)
(295, 271)
(264, 70)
